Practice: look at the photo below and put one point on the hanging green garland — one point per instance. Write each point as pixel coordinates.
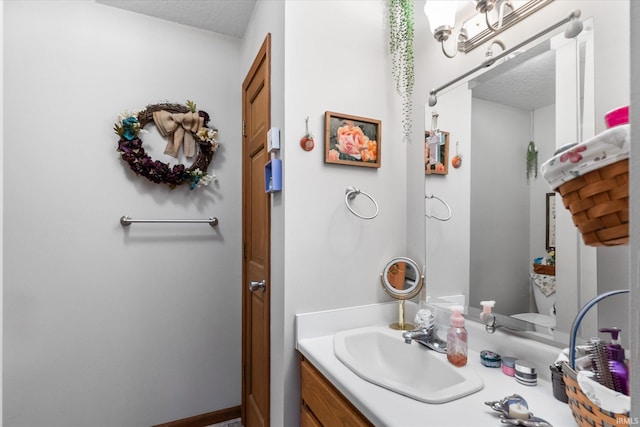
(532, 160)
(401, 48)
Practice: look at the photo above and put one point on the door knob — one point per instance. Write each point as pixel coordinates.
(254, 286)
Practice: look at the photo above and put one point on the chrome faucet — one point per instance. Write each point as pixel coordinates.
(427, 337)
(490, 323)
(487, 317)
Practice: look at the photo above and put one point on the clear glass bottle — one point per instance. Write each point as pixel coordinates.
(457, 339)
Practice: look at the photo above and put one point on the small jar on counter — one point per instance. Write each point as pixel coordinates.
(490, 359)
(526, 373)
(509, 366)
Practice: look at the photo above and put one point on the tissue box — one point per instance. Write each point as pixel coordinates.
(619, 116)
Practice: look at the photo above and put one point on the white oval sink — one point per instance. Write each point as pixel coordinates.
(380, 355)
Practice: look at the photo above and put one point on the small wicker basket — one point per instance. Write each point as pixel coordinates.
(549, 270)
(585, 412)
(599, 204)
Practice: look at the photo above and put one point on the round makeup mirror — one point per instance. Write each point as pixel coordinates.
(402, 280)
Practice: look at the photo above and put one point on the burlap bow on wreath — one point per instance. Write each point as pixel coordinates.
(179, 128)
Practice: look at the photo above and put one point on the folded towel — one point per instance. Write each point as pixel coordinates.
(606, 148)
(601, 396)
(583, 360)
(546, 284)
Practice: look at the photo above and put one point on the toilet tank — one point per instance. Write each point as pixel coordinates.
(544, 293)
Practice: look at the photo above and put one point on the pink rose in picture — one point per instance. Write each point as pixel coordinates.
(334, 155)
(351, 140)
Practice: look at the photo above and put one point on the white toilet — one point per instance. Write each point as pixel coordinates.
(545, 318)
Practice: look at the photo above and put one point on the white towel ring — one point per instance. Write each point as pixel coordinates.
(444, 203)
(351, 194)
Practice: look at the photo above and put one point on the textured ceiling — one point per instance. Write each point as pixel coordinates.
(229, 17)
(526, 81)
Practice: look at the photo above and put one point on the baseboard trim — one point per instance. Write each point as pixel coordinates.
(207, 419)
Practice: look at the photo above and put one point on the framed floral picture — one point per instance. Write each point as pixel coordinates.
(352, 140)
(436, 153)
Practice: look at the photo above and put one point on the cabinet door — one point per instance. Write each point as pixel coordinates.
(325, 402)
(307, 419)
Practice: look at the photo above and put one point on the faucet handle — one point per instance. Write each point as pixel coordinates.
(425, 318)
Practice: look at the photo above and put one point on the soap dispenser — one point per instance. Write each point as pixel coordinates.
(457, 339)
(616, 357)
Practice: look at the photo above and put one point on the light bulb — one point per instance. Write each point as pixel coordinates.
(440, 13)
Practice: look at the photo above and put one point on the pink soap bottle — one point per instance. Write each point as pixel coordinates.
(457, 339)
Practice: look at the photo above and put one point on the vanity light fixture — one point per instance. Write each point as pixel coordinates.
(574, 27)
(441, 15)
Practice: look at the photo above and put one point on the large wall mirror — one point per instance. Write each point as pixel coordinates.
(501, 215)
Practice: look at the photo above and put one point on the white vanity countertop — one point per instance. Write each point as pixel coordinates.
(315, 332)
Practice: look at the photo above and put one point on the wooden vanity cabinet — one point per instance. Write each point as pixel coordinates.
(322, 403)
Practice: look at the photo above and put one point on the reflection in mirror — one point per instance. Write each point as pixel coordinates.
(436, 145)
(501, 217)
(401, 279)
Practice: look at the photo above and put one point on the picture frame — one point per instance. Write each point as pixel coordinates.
(436, 161)
(352, 140)
(550, 240)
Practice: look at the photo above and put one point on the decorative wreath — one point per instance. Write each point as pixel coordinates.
(185, 127)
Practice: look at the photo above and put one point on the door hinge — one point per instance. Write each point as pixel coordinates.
(244, 128)
(244, 250)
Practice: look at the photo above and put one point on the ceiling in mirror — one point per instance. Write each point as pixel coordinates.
(525, 81)
(574, 27)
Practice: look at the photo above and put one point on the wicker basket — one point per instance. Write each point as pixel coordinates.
(599, 204)
(585, 412)
(549, 270)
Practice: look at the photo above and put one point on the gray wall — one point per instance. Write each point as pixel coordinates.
(614, 273)
(148, 319)
(104, 325)
(500, 208)
(333, 259)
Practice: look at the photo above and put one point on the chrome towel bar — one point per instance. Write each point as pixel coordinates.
(126, 220)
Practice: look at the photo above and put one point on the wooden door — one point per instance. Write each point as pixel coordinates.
(397, 274)
(256, 221)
